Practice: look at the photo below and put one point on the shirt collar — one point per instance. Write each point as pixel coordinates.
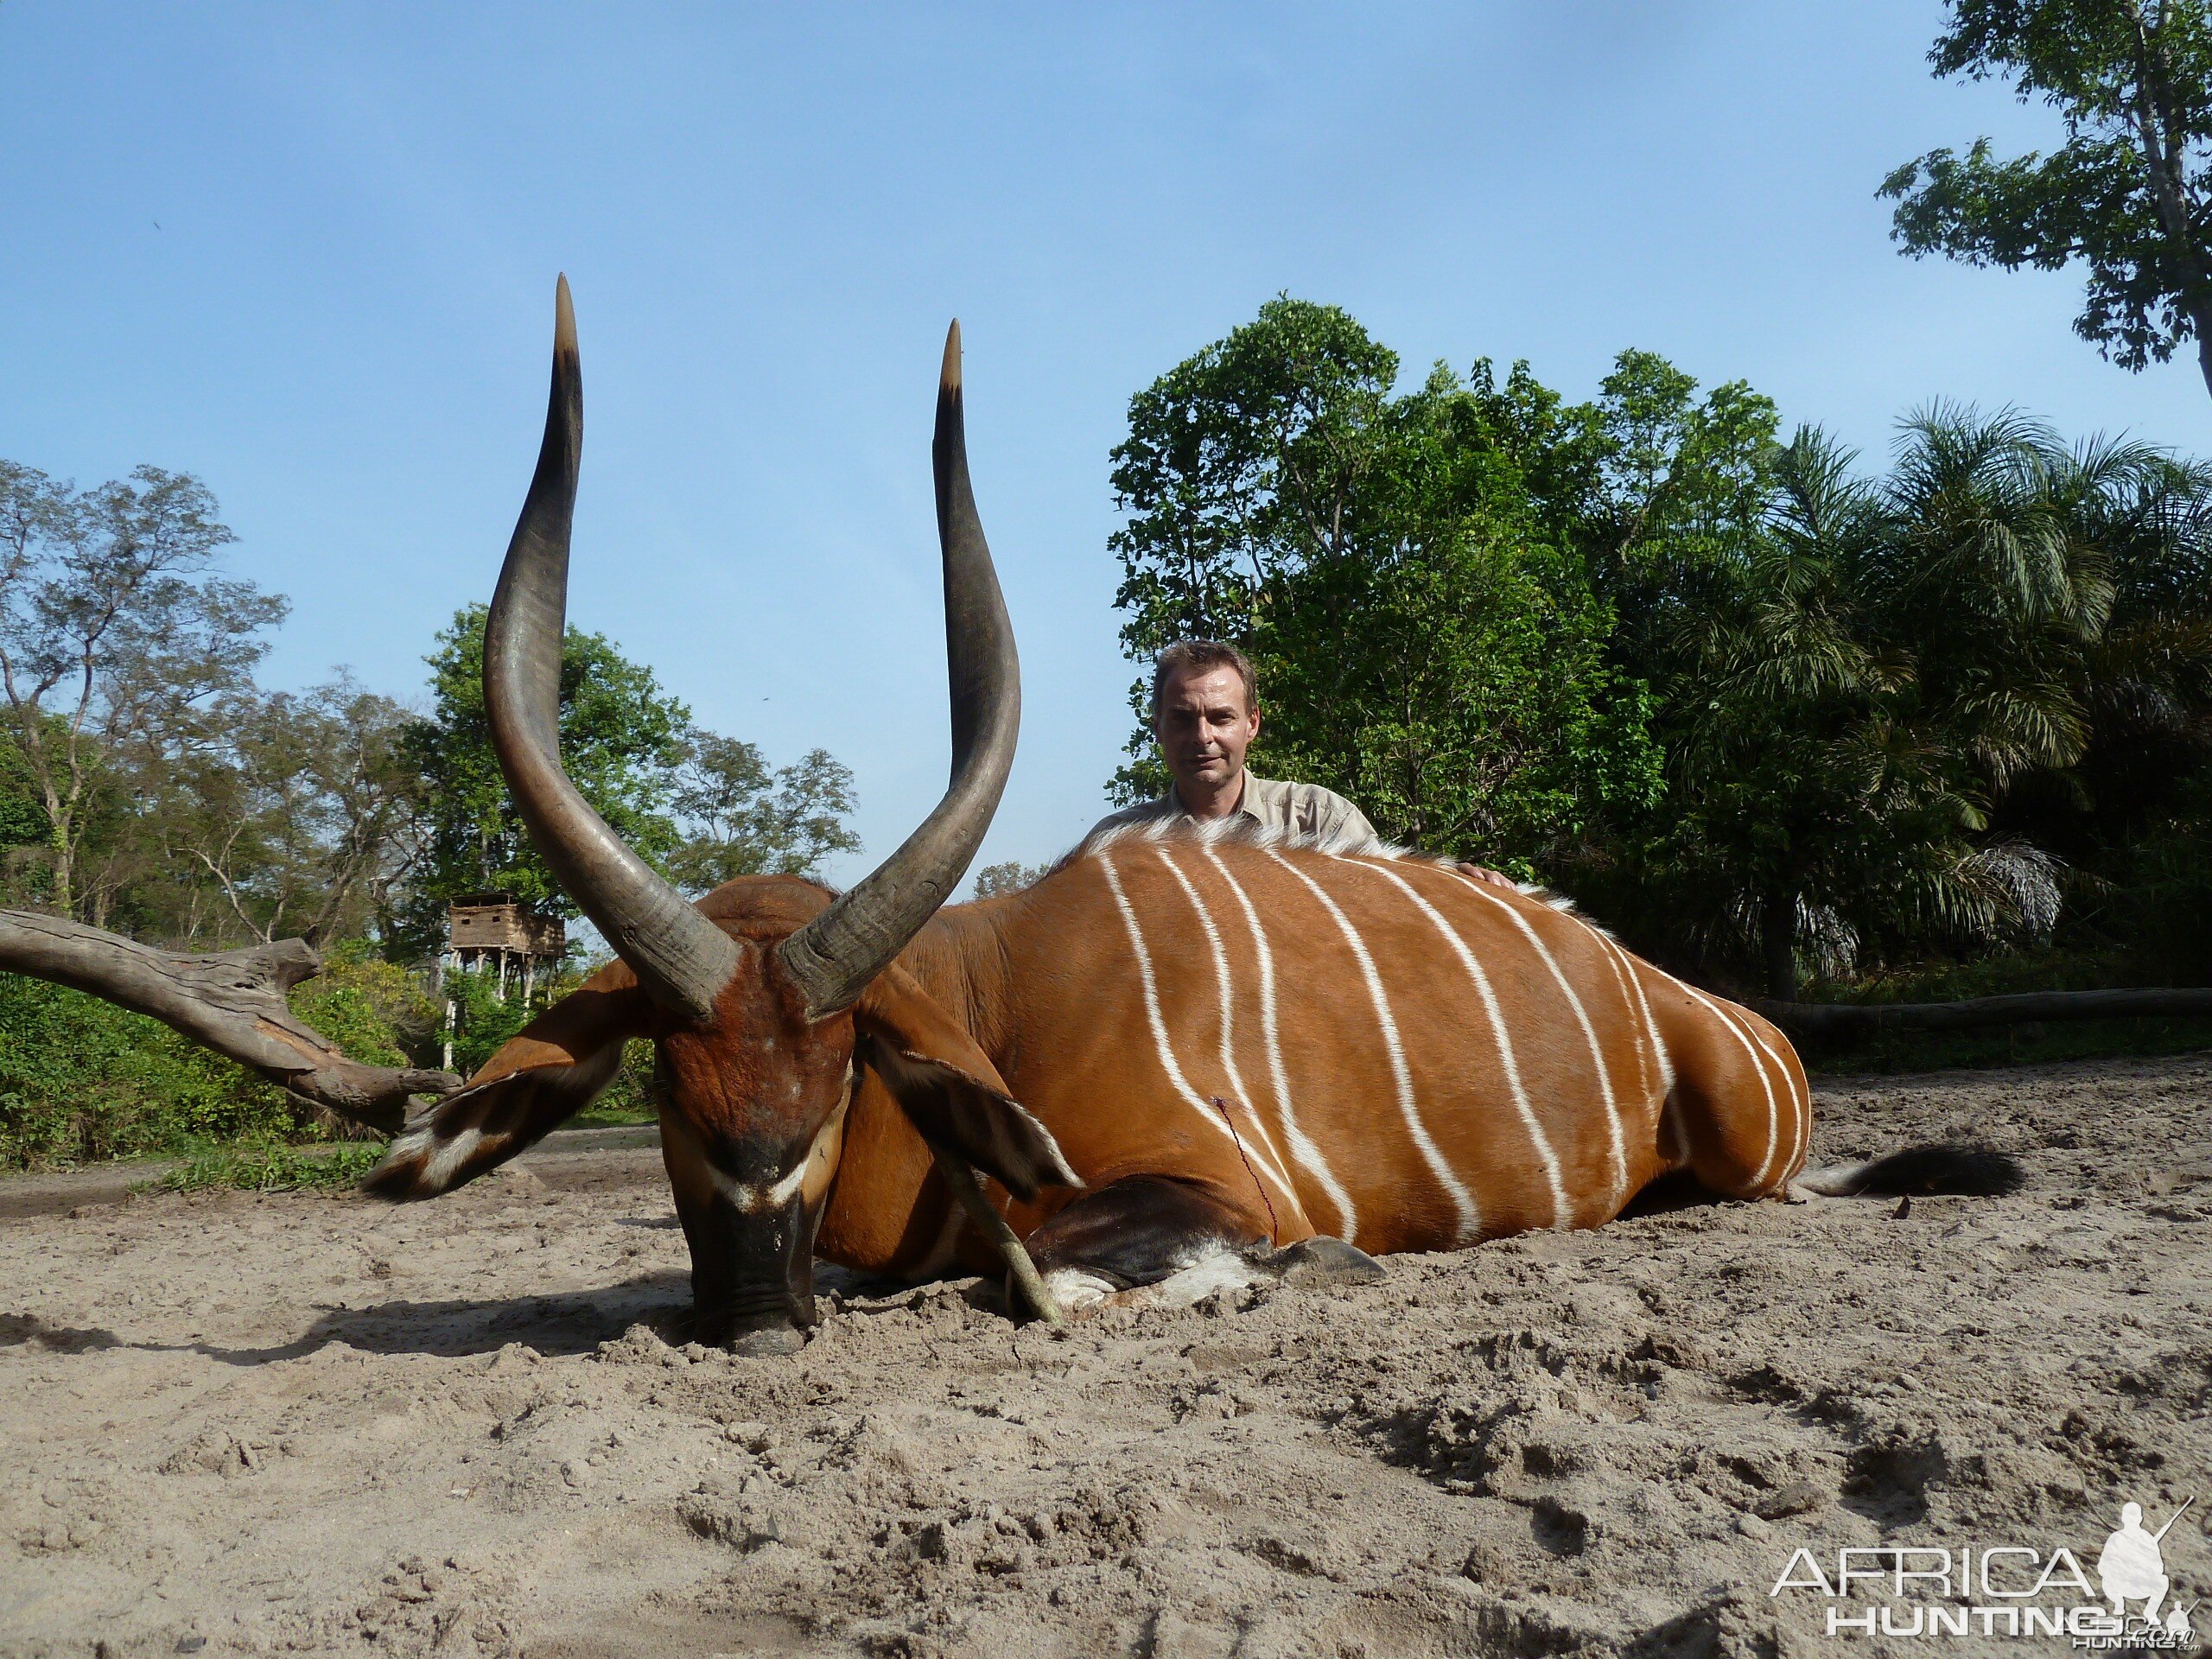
(1173, 800)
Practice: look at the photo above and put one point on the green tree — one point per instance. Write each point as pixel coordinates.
(622, 740)
(292, 813)
(1877, 725)
(1422, 646)
(1799, 802)
(115, 634)
(1765, 713)
(994, 880)
(699, 807)
(744, 818)
(2127, 195)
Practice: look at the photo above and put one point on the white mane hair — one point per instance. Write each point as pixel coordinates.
(1238, 831)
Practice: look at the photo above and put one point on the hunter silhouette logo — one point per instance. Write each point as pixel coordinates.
(1928, 1590)
(2133, 1566)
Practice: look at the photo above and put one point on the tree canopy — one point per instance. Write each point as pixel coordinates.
(1425, 641)
(699, 807)
(116, 637)
(148, 784)
(1769, 714)
(2125, 196)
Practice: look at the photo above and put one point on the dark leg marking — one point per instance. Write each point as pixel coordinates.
(1140, 1228)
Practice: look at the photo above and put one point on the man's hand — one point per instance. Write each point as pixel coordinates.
(1483, 873)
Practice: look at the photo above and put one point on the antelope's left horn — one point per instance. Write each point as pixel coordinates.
(680, 958)
(835, 956)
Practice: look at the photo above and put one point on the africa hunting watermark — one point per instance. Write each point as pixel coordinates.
(1923, 1590)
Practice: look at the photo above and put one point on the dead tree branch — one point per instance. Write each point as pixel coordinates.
(233, 1002)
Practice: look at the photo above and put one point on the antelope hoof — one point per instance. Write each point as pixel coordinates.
(1322, 1261)
(1077, 1291)
(769, 1342)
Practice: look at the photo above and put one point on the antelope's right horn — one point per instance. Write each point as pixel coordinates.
(680, 958)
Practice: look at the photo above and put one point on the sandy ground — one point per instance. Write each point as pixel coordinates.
(300, 1424)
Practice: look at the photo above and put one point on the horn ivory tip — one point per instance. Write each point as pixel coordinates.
(564, 319)
(948, 380)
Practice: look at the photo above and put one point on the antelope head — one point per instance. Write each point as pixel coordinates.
(761, 998)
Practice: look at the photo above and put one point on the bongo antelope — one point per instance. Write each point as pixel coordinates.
(1186, 1045)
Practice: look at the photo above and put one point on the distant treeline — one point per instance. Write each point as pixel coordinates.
(1772, 714)
(149, 785)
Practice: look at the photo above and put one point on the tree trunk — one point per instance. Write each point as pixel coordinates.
(1778, 945)
(2163, 156)
(232, 1002)
(63, 893)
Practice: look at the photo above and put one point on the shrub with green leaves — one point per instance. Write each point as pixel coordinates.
(82, 1080)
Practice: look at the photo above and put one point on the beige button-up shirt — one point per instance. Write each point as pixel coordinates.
(1307, 810)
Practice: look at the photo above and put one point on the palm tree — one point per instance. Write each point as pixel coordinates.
(1796, 779)
(1886, 663)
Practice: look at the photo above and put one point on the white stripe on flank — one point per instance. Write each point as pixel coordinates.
(1228, 992)
(1800, 1106)
(1627, 1001)
(1561, 1216)
(1625, 965)
(1463, 1200)
(1731, 1027)
(1197, 1102)
(1301, 1145)
(1582, 1017)
(1798, 1116)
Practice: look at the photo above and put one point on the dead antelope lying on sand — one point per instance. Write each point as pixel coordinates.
(1182, 1054)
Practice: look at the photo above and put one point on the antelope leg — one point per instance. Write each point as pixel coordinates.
(1034, 1291)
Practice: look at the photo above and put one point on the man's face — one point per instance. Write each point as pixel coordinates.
(1204, 726)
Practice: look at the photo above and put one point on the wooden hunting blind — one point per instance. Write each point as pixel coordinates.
(484, 928)
(492, 922)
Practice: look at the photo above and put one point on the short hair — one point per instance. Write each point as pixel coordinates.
(1201, 657)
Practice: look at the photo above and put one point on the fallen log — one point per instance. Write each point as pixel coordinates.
(232, 1002)
(2028, 1008)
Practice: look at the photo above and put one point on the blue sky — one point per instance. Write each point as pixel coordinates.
(769, 214)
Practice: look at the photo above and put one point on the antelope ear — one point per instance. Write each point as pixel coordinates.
(950, 1090)
(538, 1080)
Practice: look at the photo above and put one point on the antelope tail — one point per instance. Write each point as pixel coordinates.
(1967, 1171)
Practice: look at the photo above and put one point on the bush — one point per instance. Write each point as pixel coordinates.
(2164, 905)
(82, 1080)
(375, 1010)
(274, 1168)
(629, 1098)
